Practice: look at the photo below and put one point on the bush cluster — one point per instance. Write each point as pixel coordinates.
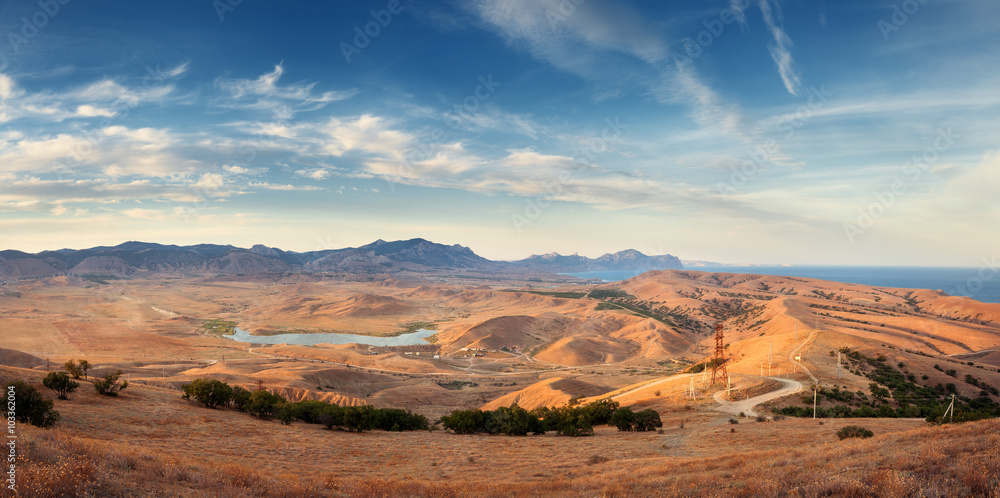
(911, 400)
(854, 431)
(570, 421)
(266, 405)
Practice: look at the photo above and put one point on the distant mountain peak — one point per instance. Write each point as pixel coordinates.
(629, 259)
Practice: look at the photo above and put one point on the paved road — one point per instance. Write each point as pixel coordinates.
(746, 406)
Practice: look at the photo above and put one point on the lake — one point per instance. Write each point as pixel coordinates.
(981, 284)
(411, 339)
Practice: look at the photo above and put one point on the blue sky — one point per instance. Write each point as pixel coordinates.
(806, 132)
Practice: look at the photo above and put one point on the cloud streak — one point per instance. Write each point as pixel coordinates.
(780, 50)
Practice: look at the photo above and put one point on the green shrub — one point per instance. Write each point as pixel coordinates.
(29, 405)
(624, 419)
(211, 393)
(60, 383)
(647, 420)
(264, 404)
(110, 385)
(854, 431)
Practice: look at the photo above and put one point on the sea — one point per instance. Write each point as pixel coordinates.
(981, 284)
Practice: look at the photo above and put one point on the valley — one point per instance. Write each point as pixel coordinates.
(642, 342)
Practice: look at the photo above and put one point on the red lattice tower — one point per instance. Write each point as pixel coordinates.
(260, 385)
(719, 364)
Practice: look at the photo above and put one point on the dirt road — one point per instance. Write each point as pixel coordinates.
(746, 406)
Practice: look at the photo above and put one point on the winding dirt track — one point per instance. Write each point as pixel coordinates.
(746, 406)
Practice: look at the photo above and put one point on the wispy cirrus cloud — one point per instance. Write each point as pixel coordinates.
(781, 49)
(264, 94)
(554, 35)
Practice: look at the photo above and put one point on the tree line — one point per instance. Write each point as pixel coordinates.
(266, 405)
(565, 421)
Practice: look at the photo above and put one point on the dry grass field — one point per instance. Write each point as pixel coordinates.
(533, 346)
(151, 442)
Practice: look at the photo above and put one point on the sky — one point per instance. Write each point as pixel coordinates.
(848, 132)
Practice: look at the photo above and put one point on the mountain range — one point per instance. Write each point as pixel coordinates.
(133, 259)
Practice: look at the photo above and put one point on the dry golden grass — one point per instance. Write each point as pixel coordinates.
(150, 442)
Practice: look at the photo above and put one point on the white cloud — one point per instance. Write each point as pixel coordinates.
(272, 186)
(737, 7)
(315, 174)
(264, 94)
(781, 49)
(104, 98)
(145, 214)
(602, 25)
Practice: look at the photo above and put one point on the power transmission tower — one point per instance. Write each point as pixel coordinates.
(691, 388)
(719, 371)
(260, 385)
(796, 330)
(770, 356)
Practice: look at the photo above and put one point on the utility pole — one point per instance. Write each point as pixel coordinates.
(815, 390)
(838, 364)
(796, 330)
(770, 355)
(951, 410)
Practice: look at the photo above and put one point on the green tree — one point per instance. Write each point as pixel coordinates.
(624, 419)
(331, 416)
(601, 410)
(111, 385)
(84, 367)
(264, 404)
(73, 369)
(647, 420)
(287, 412)
(464, 421)
(359, 418)
(29, 405)
(60, 383)
(211, 393)
(240, 398)
(570, 421)
(309, 410)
